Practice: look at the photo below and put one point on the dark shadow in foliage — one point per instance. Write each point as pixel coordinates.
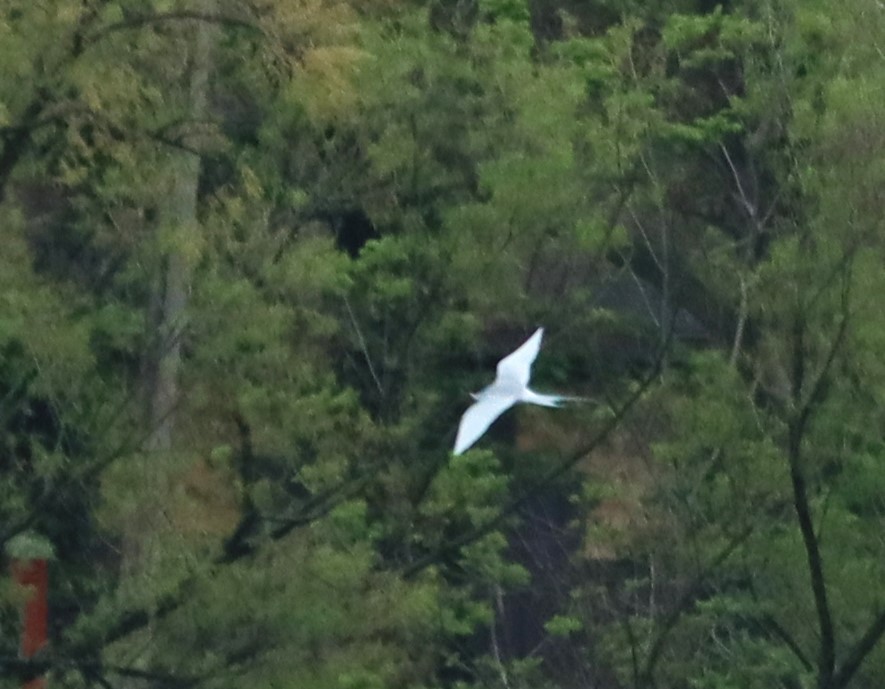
(31, 425)
(251, 468)
(352, 229)
(544, 543)
(455, 17)
(590, 18)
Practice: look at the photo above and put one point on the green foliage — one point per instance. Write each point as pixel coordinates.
(561, 625)
(384, 203)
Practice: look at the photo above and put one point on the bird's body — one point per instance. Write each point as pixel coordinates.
(510, 387)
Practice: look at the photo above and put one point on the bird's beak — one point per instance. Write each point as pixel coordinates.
(474, 395)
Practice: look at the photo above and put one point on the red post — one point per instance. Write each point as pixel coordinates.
(33, 574)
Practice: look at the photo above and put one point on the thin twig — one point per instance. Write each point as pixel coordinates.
(365, 349)
(742, 321)
(749, 206)
(502, 669)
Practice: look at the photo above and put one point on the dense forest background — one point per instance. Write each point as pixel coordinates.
(254, 255)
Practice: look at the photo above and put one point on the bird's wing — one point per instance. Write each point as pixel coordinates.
(518, 365)
(478, 418)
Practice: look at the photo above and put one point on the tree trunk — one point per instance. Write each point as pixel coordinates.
(179, 213)
(142, 557)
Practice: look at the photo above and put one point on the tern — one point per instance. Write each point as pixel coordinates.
(510, 387)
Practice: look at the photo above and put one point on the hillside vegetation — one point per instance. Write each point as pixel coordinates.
(255, 255)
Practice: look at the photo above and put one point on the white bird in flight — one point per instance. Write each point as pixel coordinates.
(511, 386)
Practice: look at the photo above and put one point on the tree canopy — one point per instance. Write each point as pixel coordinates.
(256, 255)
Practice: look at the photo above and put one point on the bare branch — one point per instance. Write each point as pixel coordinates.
(748, 204)
(827, 648)
(817, 390)
(772, 625)
(741, 323)
(166, 17)
(493, 629)
(363, 347)
(859, 652)
(685, 600)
